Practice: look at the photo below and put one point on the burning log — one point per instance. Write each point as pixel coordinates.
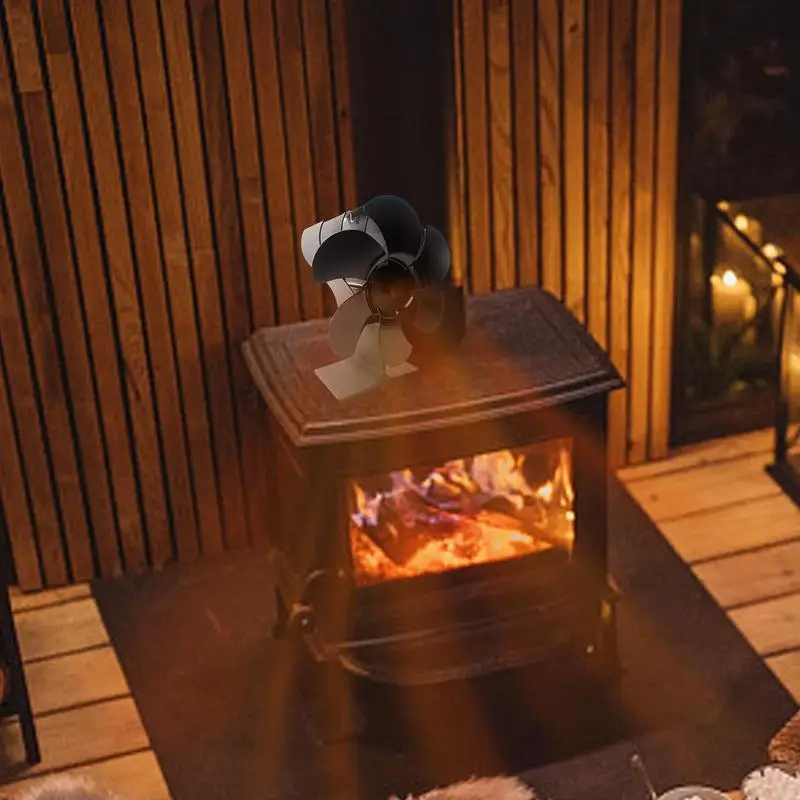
(465, 512)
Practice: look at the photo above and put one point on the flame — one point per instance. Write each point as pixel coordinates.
(468, 511)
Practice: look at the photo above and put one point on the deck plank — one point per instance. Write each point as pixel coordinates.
(699, 455)
(27, 601)
(134, 777)
(751, 577)
(678, 494)
(60, 629)
(772, 626)
(787, 667)
(75, 679)
(75, 737)
(739, 526)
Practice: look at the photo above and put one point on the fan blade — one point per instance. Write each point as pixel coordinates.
(347, 323)
(430, 309)
(310, 241)
(398, 222)
(347, 254)
(433, 262)
(395, 348)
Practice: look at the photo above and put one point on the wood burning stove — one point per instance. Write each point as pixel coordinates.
(452, 523)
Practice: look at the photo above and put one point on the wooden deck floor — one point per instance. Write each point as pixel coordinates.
(713, 502)
(739, 533)
(87, 720)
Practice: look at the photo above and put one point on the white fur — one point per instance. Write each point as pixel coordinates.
(64, 787)
(481, 789)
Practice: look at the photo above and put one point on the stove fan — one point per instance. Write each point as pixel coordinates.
(387, 272)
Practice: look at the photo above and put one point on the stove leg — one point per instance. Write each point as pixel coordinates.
(280, 626)
(335, 713)
(608, 648)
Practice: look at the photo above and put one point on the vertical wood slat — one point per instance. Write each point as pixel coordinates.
(550, 178)
(594, 176)
(19, 525)
(598, 95)
(178, 271)
(574, 209)
(477, 148)
(258, 258)
(273, 133)
(35, 308)
(184, 146)
(456, 158)
(526, 167)
(60, 268)
(341, 80)
(289, 34)
(133, 353)
(501, 146)
(205, 43)
(150, 275)
(316, 52)
(91, 277)
(192, 170)
(641, 313)
(22, 412)
(664, 254)
(622, 48)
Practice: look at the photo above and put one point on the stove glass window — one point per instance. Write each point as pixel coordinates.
(488, 507)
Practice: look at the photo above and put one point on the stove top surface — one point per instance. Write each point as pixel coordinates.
(523, 350)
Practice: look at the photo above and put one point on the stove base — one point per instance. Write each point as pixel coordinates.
(334, 686)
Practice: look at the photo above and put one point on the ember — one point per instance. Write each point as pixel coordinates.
(486, 508)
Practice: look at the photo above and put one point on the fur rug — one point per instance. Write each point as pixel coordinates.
(64, 787)
(71, 787)
(481, 789)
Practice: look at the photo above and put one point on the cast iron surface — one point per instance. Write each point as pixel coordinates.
(523, 350)
(412, 633)
(526, 372)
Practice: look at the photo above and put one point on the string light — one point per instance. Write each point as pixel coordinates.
(741, 223)
(729, 278)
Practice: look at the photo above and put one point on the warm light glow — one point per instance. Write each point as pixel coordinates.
(729, 278)
(770, 251)
(741, 222)
(486, 508)
(779, 267)
(724, 205)
(776, 280)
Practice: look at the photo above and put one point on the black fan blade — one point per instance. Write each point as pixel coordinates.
(398, 222)
(347, 323)
(433, 262)
(347, 254)
(429, 304)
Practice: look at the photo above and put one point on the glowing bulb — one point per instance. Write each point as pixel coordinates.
(776, 279)
(770, 251)
(729, 278)
(724, 205)
(741, 222)
(779, 267)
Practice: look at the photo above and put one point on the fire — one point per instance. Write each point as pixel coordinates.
(469, 511)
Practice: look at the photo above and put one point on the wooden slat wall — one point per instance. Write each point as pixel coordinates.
(564, 175)
(158, 160)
